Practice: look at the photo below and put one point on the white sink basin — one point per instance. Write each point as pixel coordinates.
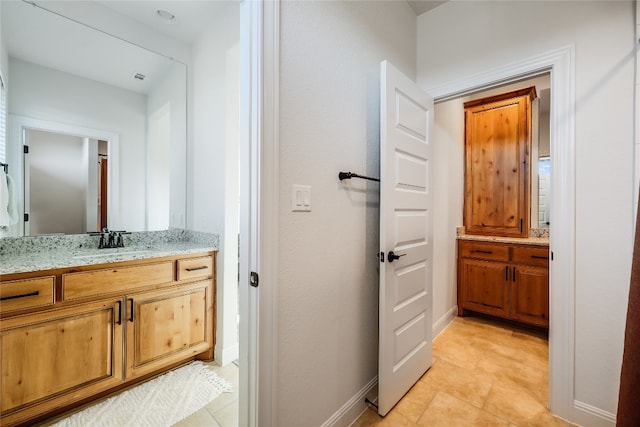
(103, 253)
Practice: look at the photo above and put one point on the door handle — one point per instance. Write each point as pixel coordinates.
(391, 256)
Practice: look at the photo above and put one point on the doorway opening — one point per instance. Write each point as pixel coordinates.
(449, 134)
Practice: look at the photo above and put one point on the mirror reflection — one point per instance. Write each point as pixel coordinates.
(105, 126)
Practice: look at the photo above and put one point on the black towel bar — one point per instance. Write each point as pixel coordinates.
(349, 175)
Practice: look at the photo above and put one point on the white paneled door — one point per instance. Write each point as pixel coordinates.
(406, 237)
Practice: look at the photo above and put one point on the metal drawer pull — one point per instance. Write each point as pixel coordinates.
(480, 251)
(32, 294)
(131, 314)
(539, 257)
(506, 273)
(204, 267)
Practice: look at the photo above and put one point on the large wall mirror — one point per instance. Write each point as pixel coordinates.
(105, 126)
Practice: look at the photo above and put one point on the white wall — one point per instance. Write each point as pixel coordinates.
(4, 55)
(603, 35)
(213, 182)
(57, 178)
(327, 326)
(448, 201)
(43, 93)
(166, 152)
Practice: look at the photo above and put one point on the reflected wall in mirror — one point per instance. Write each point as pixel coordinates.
(69, 197)
(68, 79)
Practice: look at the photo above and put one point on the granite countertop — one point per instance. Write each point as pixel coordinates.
(27, 254)
(537, 236)
(521, 240)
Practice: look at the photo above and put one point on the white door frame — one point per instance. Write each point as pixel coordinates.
(259, 189)
(561, 64)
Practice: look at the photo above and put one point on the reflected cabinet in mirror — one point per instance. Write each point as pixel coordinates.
(96, 128)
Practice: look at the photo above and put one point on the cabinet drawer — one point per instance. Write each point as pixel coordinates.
(192, 268)
(483, 250)
(27, 293)
(118, 279)
(531, 255)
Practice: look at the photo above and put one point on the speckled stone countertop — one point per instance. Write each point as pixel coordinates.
(25, 254)
(537, 236)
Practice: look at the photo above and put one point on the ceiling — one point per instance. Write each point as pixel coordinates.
(422, 6)
(41, 37)
(191, 16)
(34, 35)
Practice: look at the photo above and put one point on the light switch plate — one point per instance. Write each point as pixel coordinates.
(300, 198)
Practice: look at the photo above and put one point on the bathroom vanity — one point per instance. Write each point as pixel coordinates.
(506, 278)
(503, 262)
(101, 321)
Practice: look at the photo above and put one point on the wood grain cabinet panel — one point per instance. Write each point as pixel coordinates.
(27, 293)
(497, 146)
(168, 325)
(113, 280)
(531, 255)
(47, 355)
(194, 268)
(516, 289)
(486, 290)
(530, 295)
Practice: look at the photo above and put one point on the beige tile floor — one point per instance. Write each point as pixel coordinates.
(223, 411)
(484, 373)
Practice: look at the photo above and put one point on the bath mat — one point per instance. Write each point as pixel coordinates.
(161, 402)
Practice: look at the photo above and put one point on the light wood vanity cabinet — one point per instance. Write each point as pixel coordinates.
(93, 329)
(166, 326)
(51, 356)
(504, 280)
(497, 147)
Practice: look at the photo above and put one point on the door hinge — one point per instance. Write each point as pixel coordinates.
(26, 217)
(254, 279)
(25, 149)
(381, 255)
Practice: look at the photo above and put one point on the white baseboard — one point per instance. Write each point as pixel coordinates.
(443, 322)
(224, 356)
(588, 415)
(350, 411)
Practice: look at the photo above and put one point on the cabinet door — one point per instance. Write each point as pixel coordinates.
(57, 357)
(530, 295)
(167, 326)
(497, 141)
(484, 287)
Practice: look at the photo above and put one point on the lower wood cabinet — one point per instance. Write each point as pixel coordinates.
(55, 355)
(48, 357)
(167, 326)
(505, 280)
